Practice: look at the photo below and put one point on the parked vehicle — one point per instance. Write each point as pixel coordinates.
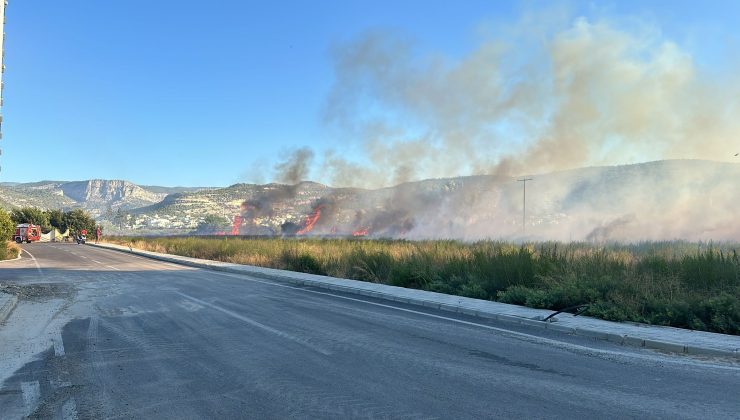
(27, 232)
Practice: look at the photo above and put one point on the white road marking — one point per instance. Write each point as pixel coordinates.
(113, 268)
(69, 410)
(58, 344)
(95, 261)
(510, 333)
(399, 309)
(31, 393)
(257, 324)
(38, 267)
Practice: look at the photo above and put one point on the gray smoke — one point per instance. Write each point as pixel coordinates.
(291, 171)
(604, 233)
(295, 167)
(536, 101)
(587, 93)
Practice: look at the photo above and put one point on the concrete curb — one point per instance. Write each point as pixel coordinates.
(14, 259)
(7, 304)
(396, 294)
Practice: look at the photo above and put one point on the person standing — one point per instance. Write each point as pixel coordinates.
(97, 234)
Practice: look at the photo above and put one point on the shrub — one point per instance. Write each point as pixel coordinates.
(7, 227)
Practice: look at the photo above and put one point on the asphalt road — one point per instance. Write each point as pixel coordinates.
(102, 334)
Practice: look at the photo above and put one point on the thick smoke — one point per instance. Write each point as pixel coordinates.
(544, 101)
(585, 94)
(289, 172)
(295, 168)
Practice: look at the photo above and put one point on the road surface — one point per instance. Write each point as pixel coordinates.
(102, 334)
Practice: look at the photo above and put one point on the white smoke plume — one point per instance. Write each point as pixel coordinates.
(585, 94)
(541, 97)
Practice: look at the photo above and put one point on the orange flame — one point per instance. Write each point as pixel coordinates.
(311, 220)
(236, 224)
(361, 232)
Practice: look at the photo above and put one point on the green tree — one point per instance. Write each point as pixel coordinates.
(31, 215)
(77, 220)
(7, 227)
(212, 224)
(56, 219)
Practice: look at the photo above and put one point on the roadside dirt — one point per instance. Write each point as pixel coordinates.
(37, 291)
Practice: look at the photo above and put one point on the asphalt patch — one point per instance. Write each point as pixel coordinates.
(37, 291)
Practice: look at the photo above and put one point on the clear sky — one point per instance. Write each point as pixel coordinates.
(211, 93)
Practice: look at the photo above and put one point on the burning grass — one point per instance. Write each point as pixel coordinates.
(681, 284)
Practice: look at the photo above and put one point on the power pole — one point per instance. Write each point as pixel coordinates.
(524, 204)
(3, 4)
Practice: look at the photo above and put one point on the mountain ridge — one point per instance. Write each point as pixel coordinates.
(691, 199)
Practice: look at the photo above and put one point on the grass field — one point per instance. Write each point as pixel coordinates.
(682, 284)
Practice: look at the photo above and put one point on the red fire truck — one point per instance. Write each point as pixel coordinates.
(27, 232)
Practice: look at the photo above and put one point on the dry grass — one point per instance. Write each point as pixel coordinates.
(11, 251)
(682, 284)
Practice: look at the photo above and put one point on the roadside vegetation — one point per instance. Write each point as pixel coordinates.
(8, 249)
(681, 284)
(74, 220)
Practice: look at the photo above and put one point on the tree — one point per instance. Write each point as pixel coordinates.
(31, 215)
(56, 219)
(212, 224)
(7, 227)
(77, 220)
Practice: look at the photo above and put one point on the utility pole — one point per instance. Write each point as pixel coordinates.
(524, 204)
(3, 4)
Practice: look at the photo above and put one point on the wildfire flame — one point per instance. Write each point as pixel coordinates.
(361, 232)
(311, 220)
(237, 223)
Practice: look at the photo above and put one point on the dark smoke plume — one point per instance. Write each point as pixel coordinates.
(290, 172)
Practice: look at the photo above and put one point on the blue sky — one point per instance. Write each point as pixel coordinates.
(179, 92)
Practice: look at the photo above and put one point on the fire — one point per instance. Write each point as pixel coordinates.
(311, 220)
(237, 223)
(361, 232)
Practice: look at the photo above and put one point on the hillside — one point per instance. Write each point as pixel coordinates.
(658, 200)
(96, 196)
(686, 199)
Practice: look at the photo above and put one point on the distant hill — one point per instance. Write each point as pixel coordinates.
(96, 196)
(676, 199)
(686, 199)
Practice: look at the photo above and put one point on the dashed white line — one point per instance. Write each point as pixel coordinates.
(113, 268)
(258, 324)
(95, 261)
(510, 333)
